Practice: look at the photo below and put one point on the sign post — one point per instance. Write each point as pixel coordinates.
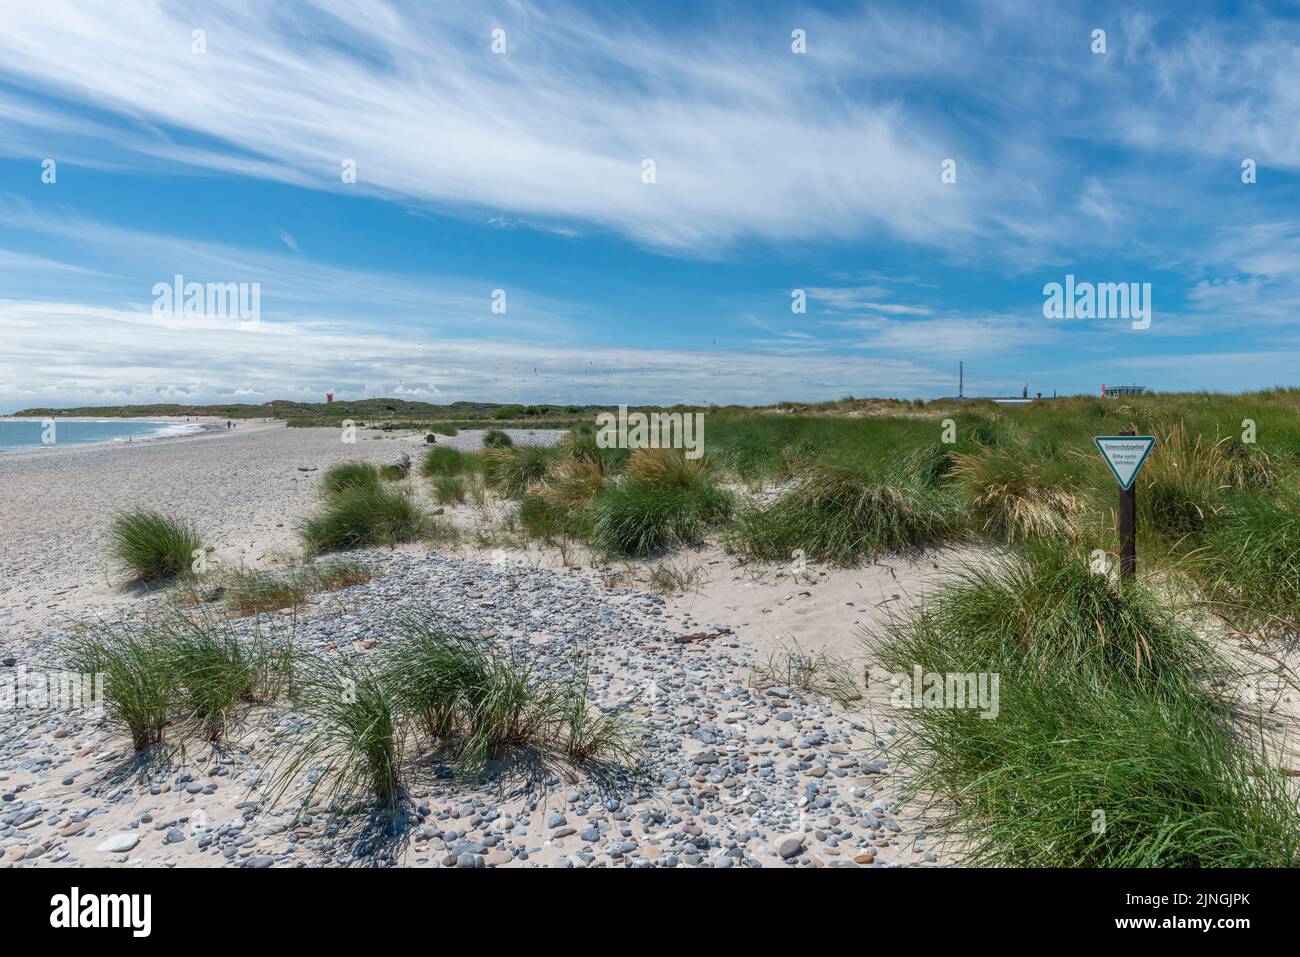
(1125, 453)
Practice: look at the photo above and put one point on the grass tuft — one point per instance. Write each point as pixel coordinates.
(842, 515)
(1110, 745)
(347, 476)
(153, 547)
(367, 515)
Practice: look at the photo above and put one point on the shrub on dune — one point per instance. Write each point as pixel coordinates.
(496, 439)
(151, 546)
(841, 515)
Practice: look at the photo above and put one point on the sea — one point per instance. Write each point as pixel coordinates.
(21, 435)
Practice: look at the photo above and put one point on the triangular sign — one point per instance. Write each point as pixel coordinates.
(1125, 454)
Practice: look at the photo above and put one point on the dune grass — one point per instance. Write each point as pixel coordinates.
(842, 515)
(444, 460)
(216, 671)
(347, 476)
(139, 685)
(1251, 571)
(481, 703)
(449, 489)
(182, 668)
(496, 439)
(249, 592)
(351, 733)
(1111, 745)
(368, 515)
(511, 470)
(1018, 493)
(255, 592)
(581, 444)
(559, 506)
(636, 521)
(153, 547)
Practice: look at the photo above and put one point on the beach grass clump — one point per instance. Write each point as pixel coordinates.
(152, 546)
(350, 739)
(1016, 494)
(664, 500)
(1251, 570)
(496, 439)
(367, 515)
(582, 444)
(449, 489)
(444, 460)
(1107, 743)
(511, 470)
(1181, 481)
(842, 514)
(592, 735)
(138, 682)
(480, 702)
(652, 468)
(394, 473)
(214, 670)
(637, 521)
(559, 506)
(347, 476)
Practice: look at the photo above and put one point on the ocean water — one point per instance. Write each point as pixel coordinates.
(19, 435)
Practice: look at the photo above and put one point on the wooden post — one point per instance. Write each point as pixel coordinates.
(1128, 529)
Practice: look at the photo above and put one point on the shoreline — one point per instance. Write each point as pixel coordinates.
(206, 427)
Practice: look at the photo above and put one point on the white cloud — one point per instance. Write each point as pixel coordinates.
(96, 355)
(749, 139)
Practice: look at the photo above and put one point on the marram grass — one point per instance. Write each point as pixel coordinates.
(1111, 745)
(152, 546)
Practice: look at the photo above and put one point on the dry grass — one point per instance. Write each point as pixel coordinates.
(1016, 497)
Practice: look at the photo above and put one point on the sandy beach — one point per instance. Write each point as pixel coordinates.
(248, 489)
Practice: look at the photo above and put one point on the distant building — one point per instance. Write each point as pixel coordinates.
(329, 397)
(1114, 390)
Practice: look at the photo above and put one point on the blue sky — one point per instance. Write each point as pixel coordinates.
(522, 171)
